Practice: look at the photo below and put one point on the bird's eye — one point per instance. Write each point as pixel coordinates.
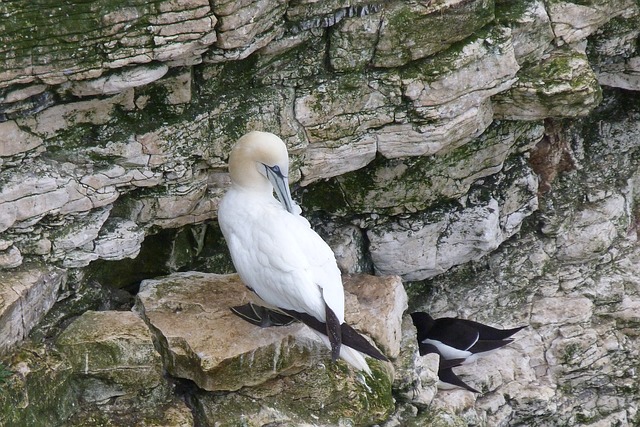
(276, 169)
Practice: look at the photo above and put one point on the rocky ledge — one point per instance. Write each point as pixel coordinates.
(114, 362)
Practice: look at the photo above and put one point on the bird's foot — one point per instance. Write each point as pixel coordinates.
(262, 316)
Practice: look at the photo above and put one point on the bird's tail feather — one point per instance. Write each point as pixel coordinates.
(489, 333)
(352, 342)
(447, 375)
(344, 338)
(349, 355)
(482, 346)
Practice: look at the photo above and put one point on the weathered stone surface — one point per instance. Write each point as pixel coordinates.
(574, 21)
(227, 353)
(409, 185)
(446, 117)
(39, 390)
(416, 29)
(239, 26)
(53, 120)
(625, 76)
(327, 395)
(26, 295)
(416, 376)
(347, 244)
(83, 230)
(381, 106)
(592, 231)
(562, 85)
(174, 414)
(120, 81)
(119, 239)
(423, 246)
(572, 364)
(612, 50)
(113, 356)
(380, 298)
(353, 41)
(343, 109)
(162, 31)
(10, 258)
(530, 25)
(14, 140)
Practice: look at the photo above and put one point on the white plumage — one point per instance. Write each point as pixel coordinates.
(274, 249)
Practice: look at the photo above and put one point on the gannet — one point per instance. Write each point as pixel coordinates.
(458, 342)
(276, 253)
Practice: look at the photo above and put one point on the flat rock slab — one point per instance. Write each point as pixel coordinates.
(113, 355)
(202, 340)
(26, 295)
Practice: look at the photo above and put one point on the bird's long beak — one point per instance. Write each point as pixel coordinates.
(281, 186)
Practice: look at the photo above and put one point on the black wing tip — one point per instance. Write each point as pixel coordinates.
(482, 346)
(349, 336)
(353, 339)
(333, 330)
(447, 375)
(490, 333)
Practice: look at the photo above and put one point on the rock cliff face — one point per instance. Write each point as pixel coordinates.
(484, 151)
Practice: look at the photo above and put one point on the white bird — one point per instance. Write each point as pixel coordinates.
(277, 254)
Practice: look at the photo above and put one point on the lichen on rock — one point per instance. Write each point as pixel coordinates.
(484, 150)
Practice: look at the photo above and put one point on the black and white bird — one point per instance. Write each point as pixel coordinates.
(448, 378)
(458, 341)
(278, 255)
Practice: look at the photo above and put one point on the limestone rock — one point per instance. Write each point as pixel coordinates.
(416, 376)
(347, 244)
(10, 258)
(26, 295)
(166, 31)
(561, 85)
(213, 348)
(120, 81)
(227, 354)
(83, 230)
(380, 298)
(240, 22)
(612, 50)
(336, 114)
(353, 42)
(411, 129)
(413, 30)
(449, 94)
(410, 185)
(574, 21)
(530, 25)
(423, 246)
(592, 230)
(625, 76)
(327, 395)
(39, 389)
(113, 356)
(53, 120)
(28, 197)
(14, 140)
(174, 414)
(119, 239)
